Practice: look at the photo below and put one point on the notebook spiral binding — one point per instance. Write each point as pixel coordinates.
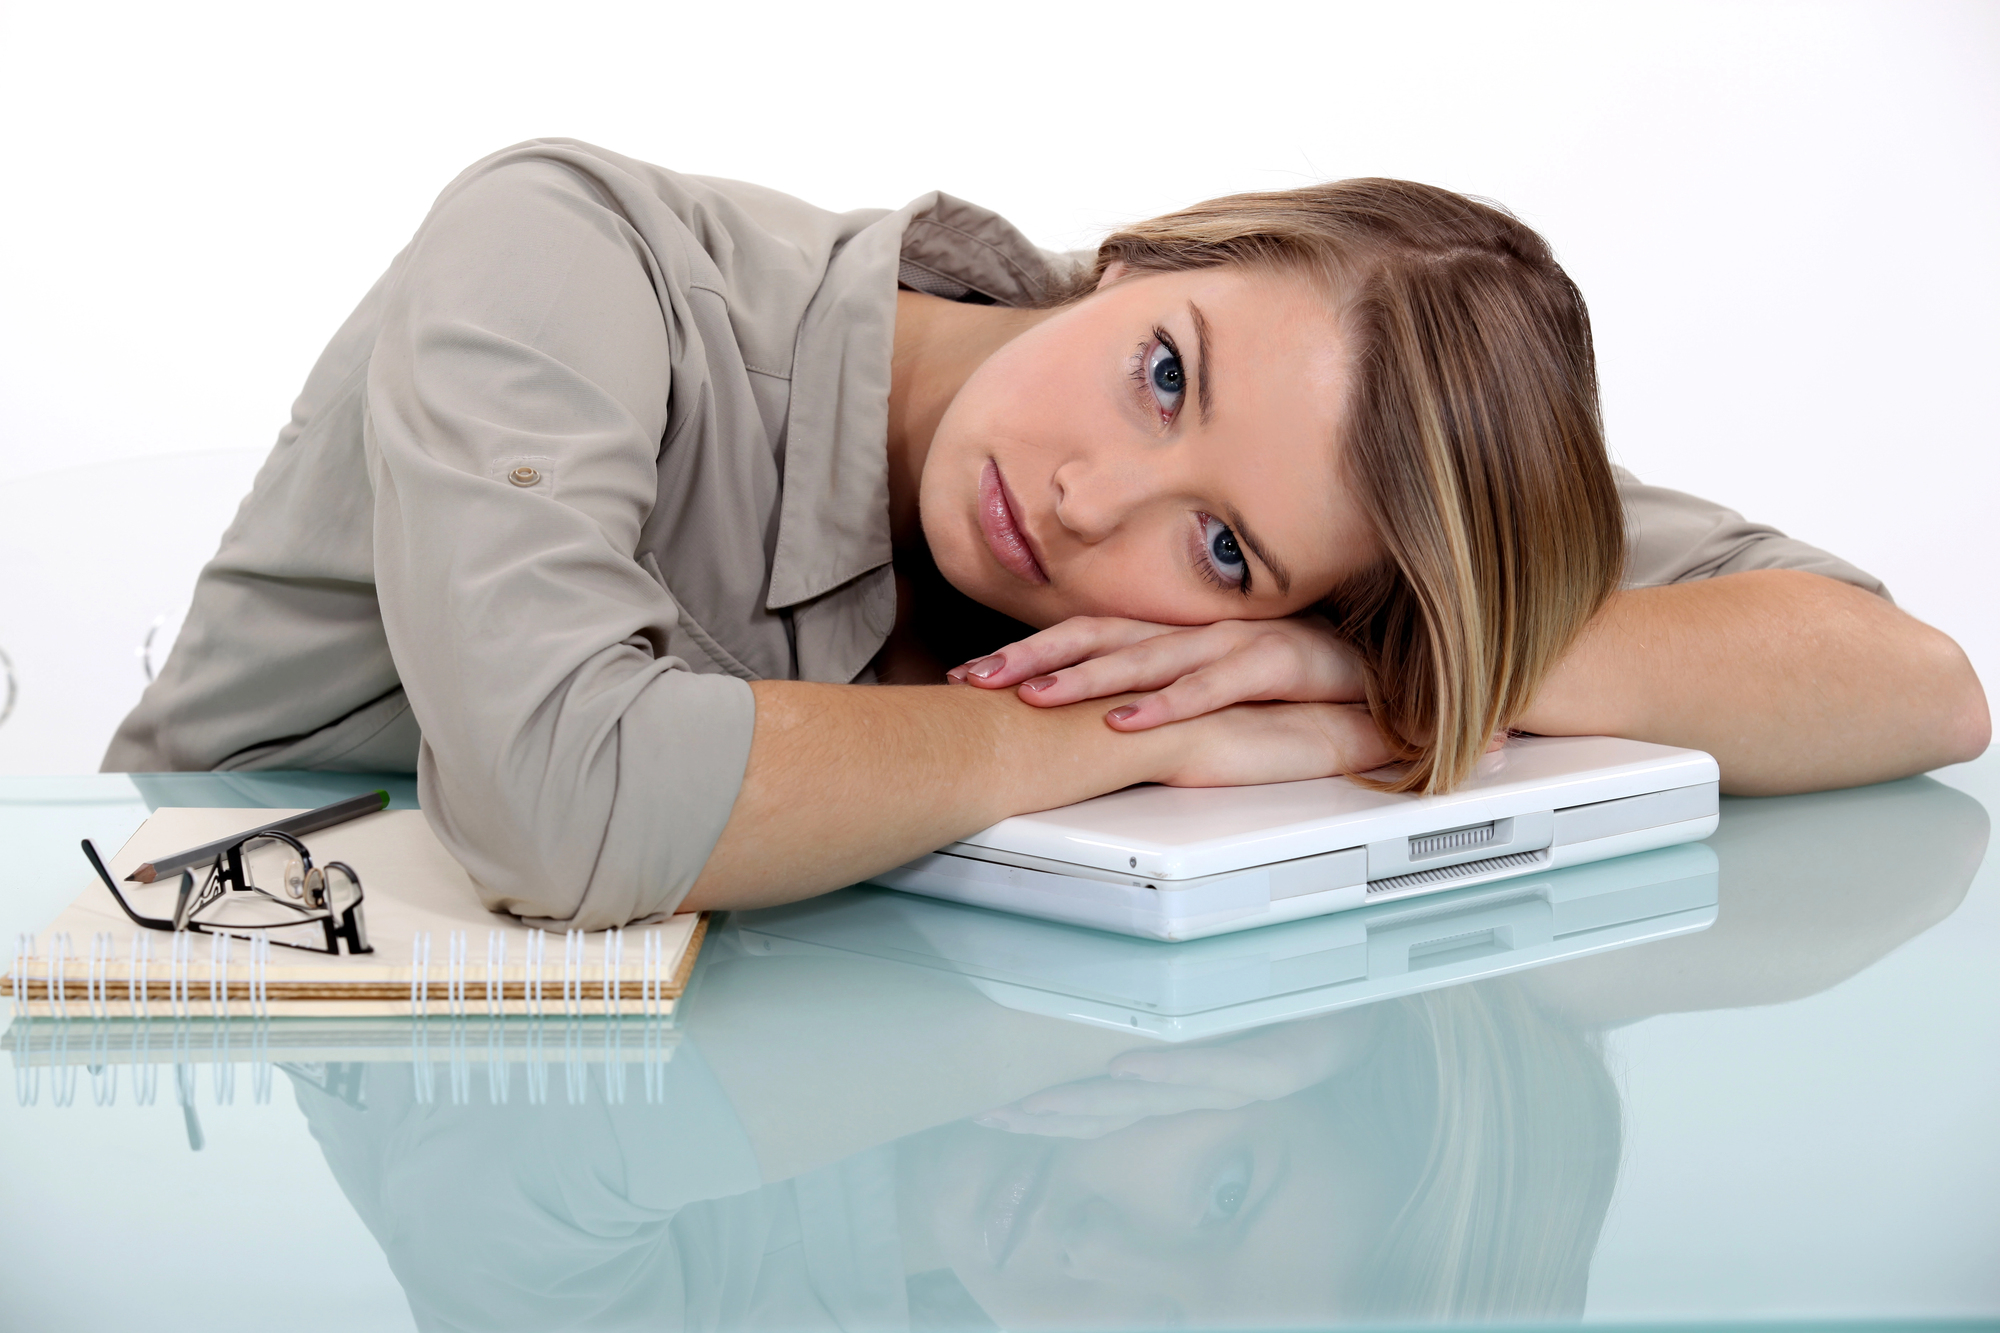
(237, 967)
(105, 1013)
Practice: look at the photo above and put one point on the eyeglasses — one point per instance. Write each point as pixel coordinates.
(264, 885)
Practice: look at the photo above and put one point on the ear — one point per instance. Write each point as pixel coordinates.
(1113, 271)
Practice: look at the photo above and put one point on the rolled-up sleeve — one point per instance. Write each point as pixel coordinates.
(518, 398)
(553, 1214)
(1674, 537)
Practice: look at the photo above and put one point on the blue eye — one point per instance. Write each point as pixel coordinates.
(1165, 375)
(1225, 557)
(1228, 1192)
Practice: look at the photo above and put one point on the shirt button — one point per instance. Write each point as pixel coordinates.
(524, 476)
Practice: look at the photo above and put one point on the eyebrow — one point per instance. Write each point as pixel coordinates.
(1270, 562)
(1202, 396)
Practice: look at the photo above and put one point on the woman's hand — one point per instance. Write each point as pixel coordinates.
(1184, 672)
(1251, 743)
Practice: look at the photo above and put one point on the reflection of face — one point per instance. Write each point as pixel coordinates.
(1257, 1217)
(1165, 450)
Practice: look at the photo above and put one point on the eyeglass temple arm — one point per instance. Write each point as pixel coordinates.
(149, 922)
(353, 926)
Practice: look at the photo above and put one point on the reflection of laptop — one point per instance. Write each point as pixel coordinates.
(1180, 992)
(1178, 863)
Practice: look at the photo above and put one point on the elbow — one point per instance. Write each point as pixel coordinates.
(1964, 724)
(1970, 728)
(555, 859)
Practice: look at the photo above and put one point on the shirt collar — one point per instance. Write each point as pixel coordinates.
(833, 520)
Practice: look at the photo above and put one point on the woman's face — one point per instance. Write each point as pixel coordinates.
(1166, 450)
(1259, 1217)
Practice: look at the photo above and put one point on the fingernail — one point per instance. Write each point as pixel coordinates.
(985, 666)
(1121, 714)
(1038, 683)
(956, 675)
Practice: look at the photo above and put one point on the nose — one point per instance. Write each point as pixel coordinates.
(1096, 493)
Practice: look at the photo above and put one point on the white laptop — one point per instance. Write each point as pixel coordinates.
(1205, 988)
(1180, 863)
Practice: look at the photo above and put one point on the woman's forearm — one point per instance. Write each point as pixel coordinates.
(1792, 681)
(845, 780)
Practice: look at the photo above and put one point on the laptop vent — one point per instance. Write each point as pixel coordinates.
(1452, 840)
(1464, 870)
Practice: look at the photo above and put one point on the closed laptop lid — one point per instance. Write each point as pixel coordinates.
(1188, 832)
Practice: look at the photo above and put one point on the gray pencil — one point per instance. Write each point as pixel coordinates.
(312, 821)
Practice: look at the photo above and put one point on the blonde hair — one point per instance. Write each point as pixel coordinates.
(1514, 1127)
(1472, 436)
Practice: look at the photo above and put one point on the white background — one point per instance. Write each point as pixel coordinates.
(1785, 217)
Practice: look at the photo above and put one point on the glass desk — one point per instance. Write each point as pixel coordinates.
(1753, 1083)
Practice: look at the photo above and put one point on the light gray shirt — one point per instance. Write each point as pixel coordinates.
(604, 444)
(610, 1214)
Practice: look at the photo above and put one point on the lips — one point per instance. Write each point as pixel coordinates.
(1000, 523)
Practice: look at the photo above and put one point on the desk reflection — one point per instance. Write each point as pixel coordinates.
(840, 1141)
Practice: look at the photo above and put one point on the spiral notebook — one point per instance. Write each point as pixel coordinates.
(436, 949)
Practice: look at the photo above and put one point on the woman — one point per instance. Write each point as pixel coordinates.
(618, 482)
